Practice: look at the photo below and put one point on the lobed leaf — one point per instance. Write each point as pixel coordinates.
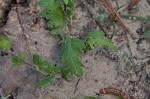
(69, 9)
(72, 51)
(98, 39)
(46, 81)
(45, 66)
(53, 12)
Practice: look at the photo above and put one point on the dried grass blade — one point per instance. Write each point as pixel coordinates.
(108, 5)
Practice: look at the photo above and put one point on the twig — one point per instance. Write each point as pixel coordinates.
(117, 4)
(114, 91)
(113, 31)
(99, 23)
(76, 85)
(129, 47)
(108, 5)
(22, 28)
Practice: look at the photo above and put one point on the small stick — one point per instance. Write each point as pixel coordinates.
(76, 85)
(108, 5)
(114, 91)
(99, 23)
(22, 29)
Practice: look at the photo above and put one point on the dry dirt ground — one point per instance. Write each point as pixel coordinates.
(29, 35)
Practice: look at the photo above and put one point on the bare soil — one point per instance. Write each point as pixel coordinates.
(29, 35)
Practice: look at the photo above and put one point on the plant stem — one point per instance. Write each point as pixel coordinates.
(27, 64)
(117, 4)
(113, 31)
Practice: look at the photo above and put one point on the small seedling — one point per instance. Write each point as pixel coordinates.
(60, 16)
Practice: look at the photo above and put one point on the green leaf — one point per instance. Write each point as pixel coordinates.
(98, 39)
(46, 81)
(45, 66)
(17, 62)
(71, 4)
(72, 51)
(66, 73)
(69, 13)
(5, 44)
(66, 1)
(70, 8)
(55, 69)
(53, 12)
(37, 60)
(56, 31)
(89, 97)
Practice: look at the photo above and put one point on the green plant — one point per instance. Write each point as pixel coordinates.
(46, 68)
(59, 16)
(15, 61)
(98, 39)
(72, 51)
(5, 43)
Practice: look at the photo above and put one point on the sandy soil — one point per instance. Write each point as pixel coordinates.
(101, 68)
